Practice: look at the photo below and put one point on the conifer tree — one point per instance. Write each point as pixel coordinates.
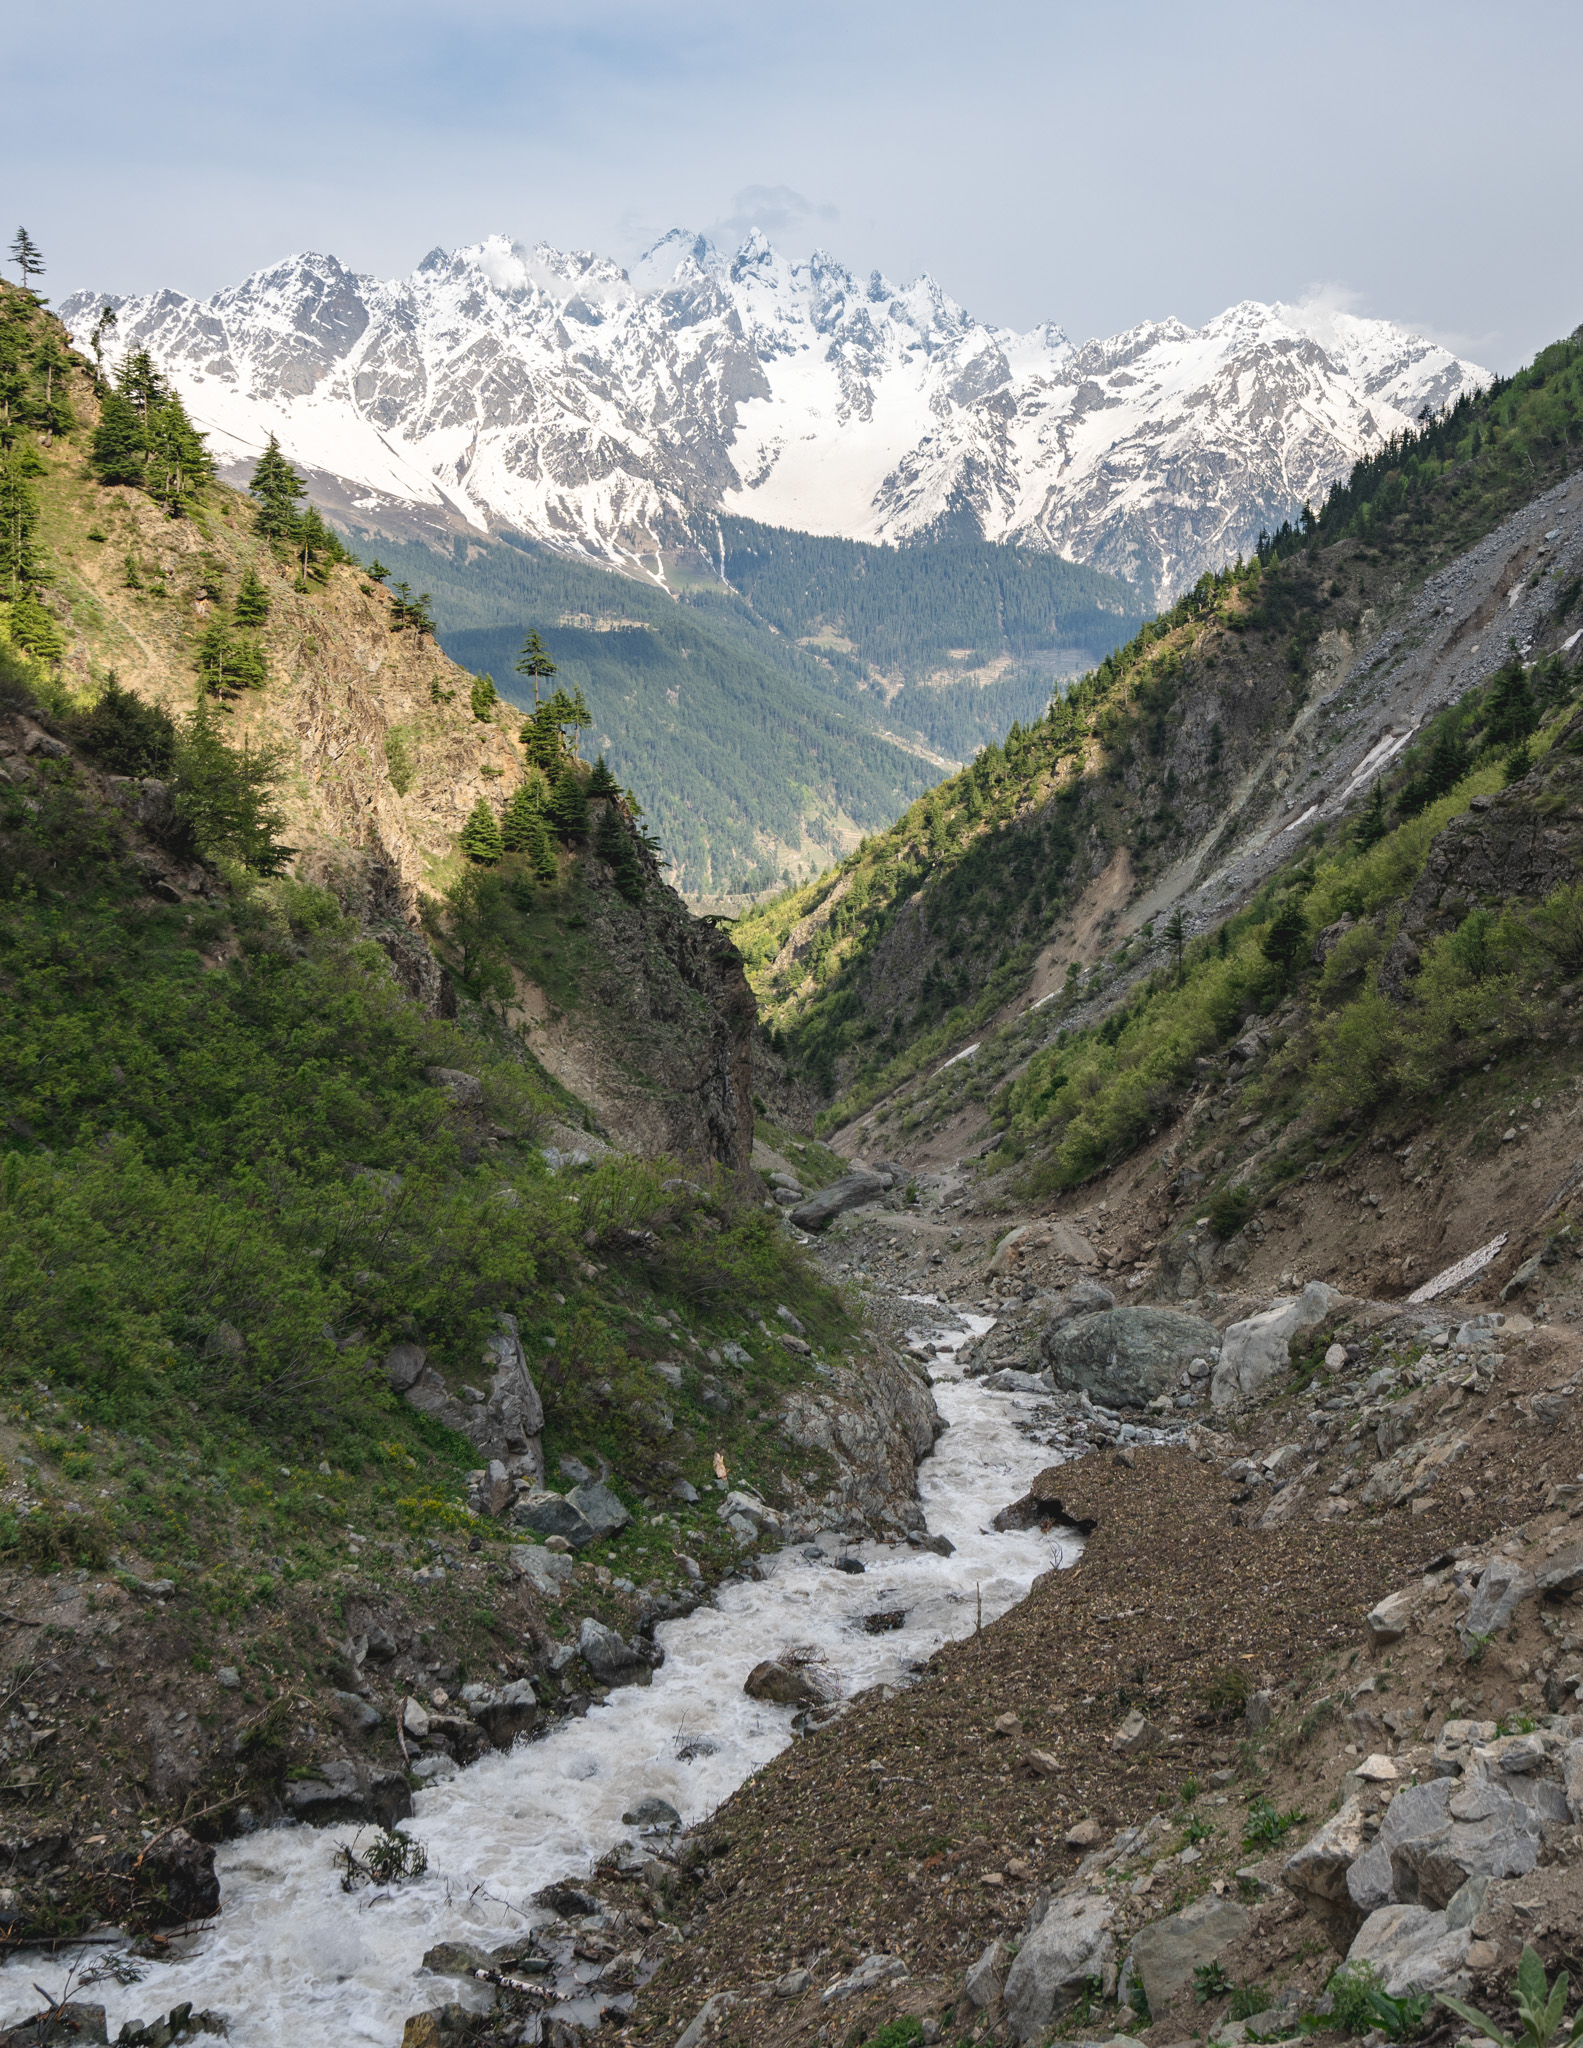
(179, 462)
(481, 836)
(119, 445)
(21, 567)
(25, 254)
(215, 650)
(484, 698)
(102, 329)
(248, 666)
(1509, 712)
(252, 599)
(568, 805)
(535, 663)
(1285, 939)
(614, 846)
(601, 782)
(276, 486)
(523, 819)
(1373, 825)
(541, 736)
(1176, 939)
(377, 570)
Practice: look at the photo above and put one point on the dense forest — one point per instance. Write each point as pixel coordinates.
(757, 754)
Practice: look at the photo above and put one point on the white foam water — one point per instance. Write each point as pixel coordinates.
(293, 1960)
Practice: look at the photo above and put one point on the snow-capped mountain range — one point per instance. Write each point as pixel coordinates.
(616, 412)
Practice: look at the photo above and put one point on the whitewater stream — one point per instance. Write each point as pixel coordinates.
(295, 1962)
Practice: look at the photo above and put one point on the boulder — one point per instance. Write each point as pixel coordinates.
(846, 1193)
(355, 1714)
(347, 1791)
(1316, 1874)
(1040, 1504)
(456, 1959)
(1166, 1953)
(869, 1975)
(1485, 1831)
(1072, 1942)
(1502, 1585)
(652, 1813)
(73, 2022)
(553, 1514)
(174, 1881)
(1418, 1810)
(547, 1571)
(790, 1680)
(1010, 1381)
(1136, 1735)
(1414, 1950)
(1083, 1298)
(612, 1659)
(983, 1981)
(1388, 1622)
(1259, 1348)
(1126, 1357)
(599, 1507)
(403, 1364)
(504, 1712)
(1455, 1744)
(1562, 1575)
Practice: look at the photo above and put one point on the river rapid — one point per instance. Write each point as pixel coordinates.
(295, 1962)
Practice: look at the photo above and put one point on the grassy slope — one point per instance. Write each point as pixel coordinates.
(947, 910)
(226, 1188)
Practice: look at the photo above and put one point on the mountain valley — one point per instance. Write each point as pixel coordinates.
(987, 1452)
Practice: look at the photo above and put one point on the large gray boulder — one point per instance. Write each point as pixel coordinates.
(1126, 1357)
(1414, 1949)
(860, 1185)
(1316, 1874)
(612, 1659)
(1502, 1585)
(599, 1507)
(1487, 1831)
(1073, 1941)
(345, 1790)
(1259, 1348)
(1166, 1954)
(548, 1572)
(1418, 1811)
(553, 1514)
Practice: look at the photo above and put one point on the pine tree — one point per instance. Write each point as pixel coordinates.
(252, 599)
(1510, 714)
(535, 663)
(1373, 825)
(377, 570)
(484, 698)
(179, 462)
(1176, 939)
(26, 256)
(568, 805)
(215, 669)
(277, 487)
(248, 665)
(1285, 938)
(119, 445)
(102, 329)
(21, 566)
(601, 782)
(541, 736)
(481, 836)
(523, 819)
(613, 844)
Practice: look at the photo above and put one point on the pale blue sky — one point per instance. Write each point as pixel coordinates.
(1092, 165)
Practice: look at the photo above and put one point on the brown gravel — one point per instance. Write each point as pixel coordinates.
(877, 1834)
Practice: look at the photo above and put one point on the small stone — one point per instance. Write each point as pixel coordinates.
(1042, 1763)
(1377, 1770)
(1335, 1357)
(793, 1984)
(229, 1677)
(356, 1715)
(1008, 1724)
(414, 1720)
(1389, 1621)
(1136, 1735)
(1085, 1835)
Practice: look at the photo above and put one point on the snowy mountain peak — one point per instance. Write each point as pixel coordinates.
(558, 395)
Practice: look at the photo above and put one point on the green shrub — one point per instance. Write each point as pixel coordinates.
(1228, 1210)
(1360, 2004)
(1265, 1826)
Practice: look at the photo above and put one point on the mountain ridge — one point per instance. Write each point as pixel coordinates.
(618, 413)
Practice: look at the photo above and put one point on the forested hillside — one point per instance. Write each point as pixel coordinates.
(772, 722)
(948, 912)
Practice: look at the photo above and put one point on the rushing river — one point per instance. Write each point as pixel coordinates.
(295, 1962)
